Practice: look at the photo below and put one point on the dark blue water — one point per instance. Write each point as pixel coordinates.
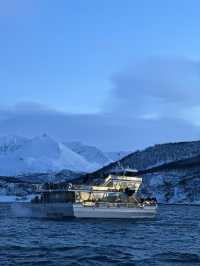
(173, 238)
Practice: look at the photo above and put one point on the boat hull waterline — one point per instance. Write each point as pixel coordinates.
(61, 210)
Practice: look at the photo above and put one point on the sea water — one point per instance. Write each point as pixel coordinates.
(172, 238)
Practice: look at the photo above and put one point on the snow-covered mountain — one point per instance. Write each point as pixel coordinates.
(43, 154)
(174, 182)
(89, 153)
(40, 154)
(154, 156)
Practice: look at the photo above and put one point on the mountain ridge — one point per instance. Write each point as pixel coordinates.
(156, 155)
(43, 154)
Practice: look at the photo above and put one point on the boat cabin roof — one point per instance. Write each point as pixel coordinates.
(124, 172)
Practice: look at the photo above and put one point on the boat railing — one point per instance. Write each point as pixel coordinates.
(111, 205)
(116, 204)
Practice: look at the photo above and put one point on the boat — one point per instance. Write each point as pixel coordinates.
(116, 197)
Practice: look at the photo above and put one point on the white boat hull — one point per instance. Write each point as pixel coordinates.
(81, 211)
(61, 210)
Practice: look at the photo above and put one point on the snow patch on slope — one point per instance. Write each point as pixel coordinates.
(89, 153)
(116, 156)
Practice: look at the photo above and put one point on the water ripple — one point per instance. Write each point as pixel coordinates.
(170, 239)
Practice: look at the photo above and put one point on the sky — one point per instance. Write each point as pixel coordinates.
(121, 75)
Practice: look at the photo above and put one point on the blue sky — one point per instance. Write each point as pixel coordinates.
(64, 56)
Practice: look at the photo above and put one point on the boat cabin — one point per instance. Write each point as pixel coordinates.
(119, 186)
(122, 179)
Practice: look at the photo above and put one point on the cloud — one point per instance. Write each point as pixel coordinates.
(154, 101)
(92, 129)
(107, 131)
(158, 88)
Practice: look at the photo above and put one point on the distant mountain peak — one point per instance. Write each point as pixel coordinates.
(44, 154)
